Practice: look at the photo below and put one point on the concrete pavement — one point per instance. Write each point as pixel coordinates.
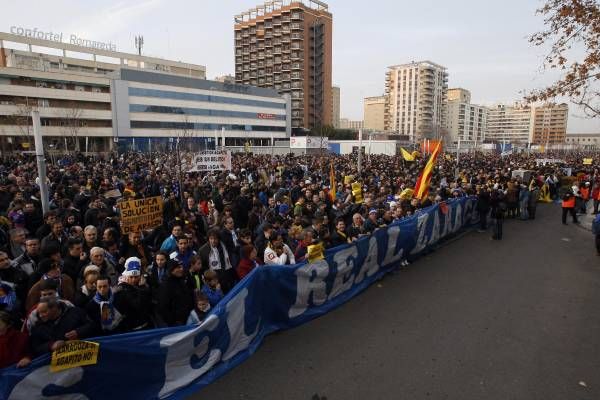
(476, 319)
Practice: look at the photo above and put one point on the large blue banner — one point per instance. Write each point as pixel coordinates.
(174, 362)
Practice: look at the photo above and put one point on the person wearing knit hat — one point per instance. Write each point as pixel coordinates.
(133, 298)
(175, 296)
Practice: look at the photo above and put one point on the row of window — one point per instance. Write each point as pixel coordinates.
(203, 126)
(165, 94)
(202, 112)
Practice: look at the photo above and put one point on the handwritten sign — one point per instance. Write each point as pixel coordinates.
(211, 160)
(141, 214)
(73, 354)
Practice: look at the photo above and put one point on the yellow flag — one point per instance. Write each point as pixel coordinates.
(315, 252)
(357, 193)
(407, 194)
(406, 155)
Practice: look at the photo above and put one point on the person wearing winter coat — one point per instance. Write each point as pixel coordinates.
(57, 324)
(175, 297)
(133, 299)
(14, 344)
(201, 308)
(483, 207)
(215, 257)
(248, 261)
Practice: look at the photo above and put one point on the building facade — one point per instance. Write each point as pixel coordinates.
(346, 123)
(287, 45)
(584, 140)
(416, 100)
(549, 123)
(374, 113)
(335, 104)
(524, 124)
(466, 122)
(132, 102)
(509, 124)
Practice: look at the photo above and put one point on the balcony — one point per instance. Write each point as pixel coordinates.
(296, 16)
(296, 26)
(285, 67)
(296, 75)
(297, 66)
(297, 36)
(277, 50)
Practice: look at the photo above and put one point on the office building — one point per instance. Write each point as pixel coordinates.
(583, 140)
(416, 100)
(335, 103)
(374, 113)
(94, 99)
(346, 123)
(549, 123)
(466, 122)
(287, 45)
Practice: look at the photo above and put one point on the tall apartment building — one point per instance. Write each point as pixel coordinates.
(466, 122)
(374, 113)
(287, 45)
(335, 104)
(549, 123)
(416, 100)
(509, 124)
(522, 124)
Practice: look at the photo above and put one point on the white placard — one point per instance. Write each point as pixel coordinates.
(211, 160)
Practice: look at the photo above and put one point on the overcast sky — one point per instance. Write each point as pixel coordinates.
(482, 43)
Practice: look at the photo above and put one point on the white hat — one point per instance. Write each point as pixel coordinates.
(133, 267)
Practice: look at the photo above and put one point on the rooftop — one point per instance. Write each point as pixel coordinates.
(270, 6)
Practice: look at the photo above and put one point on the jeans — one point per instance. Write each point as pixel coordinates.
(498, 229)
(566, 211)
(483, 220)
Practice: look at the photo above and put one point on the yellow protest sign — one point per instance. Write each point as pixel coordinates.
(73, 354)
(141, 214)
(357, 193)
(588, 161)
(407, 194)
(315, 252)
(348, 179)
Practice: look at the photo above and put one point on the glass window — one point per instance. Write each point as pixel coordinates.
(202, 112)
(201, 126)
(164, 94)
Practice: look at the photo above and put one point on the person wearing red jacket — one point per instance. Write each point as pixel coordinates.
(14, 344)
(248, 261)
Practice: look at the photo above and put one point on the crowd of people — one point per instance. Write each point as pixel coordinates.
(70, 274)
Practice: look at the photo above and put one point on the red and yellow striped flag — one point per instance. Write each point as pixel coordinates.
(332, 183)
(422, 186)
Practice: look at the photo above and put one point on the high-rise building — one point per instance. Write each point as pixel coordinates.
(416, 100)
(374, 113)
(287, 45)
(466, 122)
(549, 123)
(510, 124)
(522, 124)
(335, 103)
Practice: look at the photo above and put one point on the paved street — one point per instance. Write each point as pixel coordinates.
(477, 319)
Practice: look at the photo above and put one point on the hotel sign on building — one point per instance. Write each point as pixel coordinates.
(58, 37)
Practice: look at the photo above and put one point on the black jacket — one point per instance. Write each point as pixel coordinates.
(135, 304)
(72, 266)
(227, 277)
(44, 334)
(336, 239)
(175, 301)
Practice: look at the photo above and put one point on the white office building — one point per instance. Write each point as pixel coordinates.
(509, 124)
(94, 98)
(416, 100)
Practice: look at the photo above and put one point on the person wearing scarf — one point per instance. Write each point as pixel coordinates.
(87, 291)
(339, 237)
(101, 309)
(215, 257)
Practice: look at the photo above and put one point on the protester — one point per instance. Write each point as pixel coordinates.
(201, 308)
(175, 297)
(14, 344)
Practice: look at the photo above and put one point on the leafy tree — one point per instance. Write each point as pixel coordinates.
(569, 23)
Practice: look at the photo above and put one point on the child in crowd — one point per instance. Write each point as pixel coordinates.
(201, 308)
(212, 287)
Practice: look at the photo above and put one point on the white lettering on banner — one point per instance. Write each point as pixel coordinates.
(32, 387)
(236, 313)
(211, 160)
(390, 255)
(457, 219)
(435, 232)
(344, 260)
(179, 371)
(307, 285)
(370, 265)
(421, 228)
